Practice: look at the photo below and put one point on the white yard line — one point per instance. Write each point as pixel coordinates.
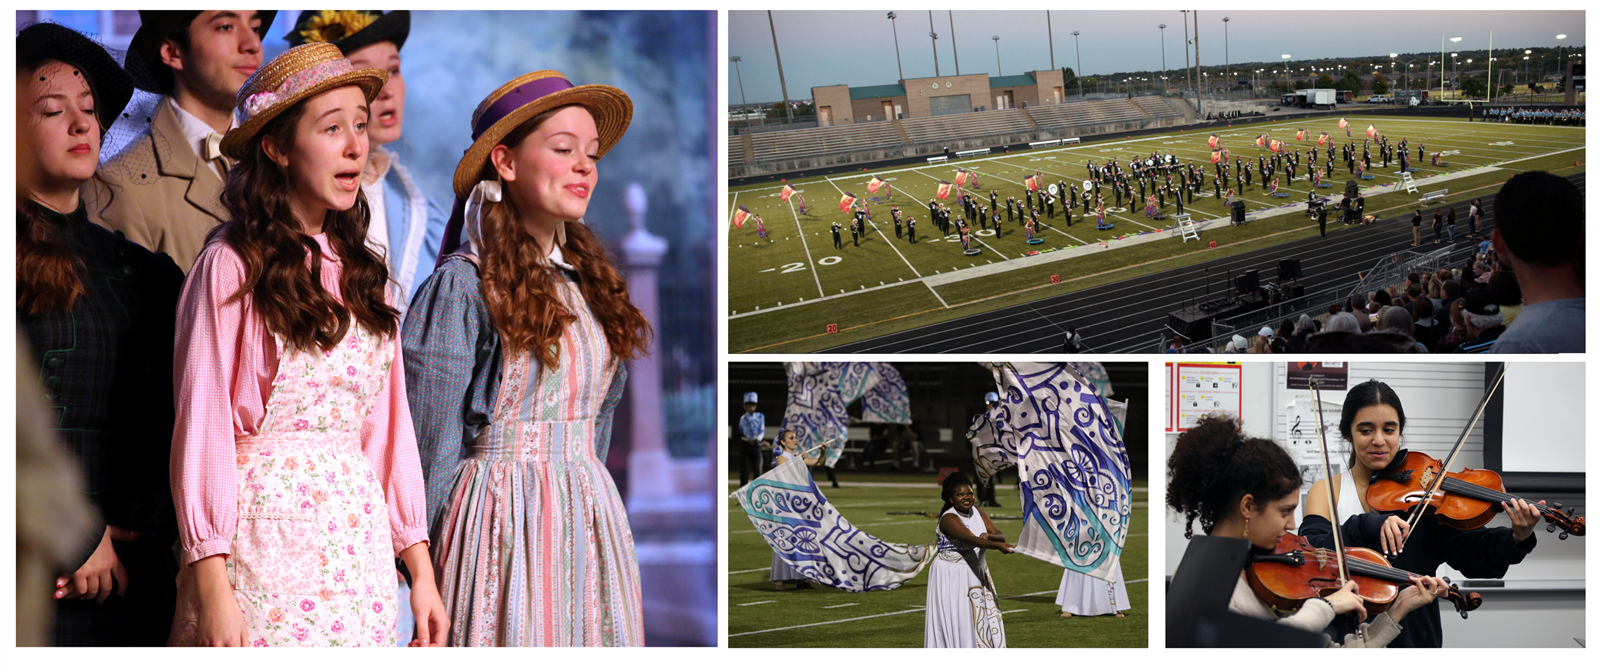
(885, 238)
(809, 262)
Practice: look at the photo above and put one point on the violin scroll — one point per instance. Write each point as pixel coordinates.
(1465, 602)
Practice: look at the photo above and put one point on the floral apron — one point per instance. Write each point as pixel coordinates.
(311, 561)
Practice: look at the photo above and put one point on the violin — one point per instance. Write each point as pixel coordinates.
(1295, 572)
(1463, 500)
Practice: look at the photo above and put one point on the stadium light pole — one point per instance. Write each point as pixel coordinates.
(896, 31)
(1079, 73)
(1163, 28)
(789, 112)
(997, 67)
(1227, 64)
(1454, 84)
(735, 60)
(1392, 56)
(1561, 75)
(1188, 83)
(1050, 34)
(933, 38)
(956, 55)
(1526, 53)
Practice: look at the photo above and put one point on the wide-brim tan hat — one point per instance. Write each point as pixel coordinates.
(295, 75)
(527, 96)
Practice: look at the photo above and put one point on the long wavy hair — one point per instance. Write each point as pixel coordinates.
(276, 253)
(48, 266)
(520, 286)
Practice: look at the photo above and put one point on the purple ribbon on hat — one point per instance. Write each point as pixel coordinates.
(516, 99)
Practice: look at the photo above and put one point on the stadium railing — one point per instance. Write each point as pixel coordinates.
(1388, 271)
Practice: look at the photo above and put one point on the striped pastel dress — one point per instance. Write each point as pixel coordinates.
(530, 539)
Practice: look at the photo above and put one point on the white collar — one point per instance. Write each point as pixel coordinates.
(197, 133)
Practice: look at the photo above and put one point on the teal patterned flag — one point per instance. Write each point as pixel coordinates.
(1072, 465)
(810, 535)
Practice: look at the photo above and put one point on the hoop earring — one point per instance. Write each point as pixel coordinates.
(1246, 528)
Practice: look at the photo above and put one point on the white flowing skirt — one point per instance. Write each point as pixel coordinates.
(961, 612)
(1082, 594)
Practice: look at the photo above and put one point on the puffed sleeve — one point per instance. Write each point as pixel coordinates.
(442, 340)
(390, 444)
(206, 354)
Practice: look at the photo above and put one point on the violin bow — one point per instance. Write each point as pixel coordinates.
(1327, 474)
(1483, 403)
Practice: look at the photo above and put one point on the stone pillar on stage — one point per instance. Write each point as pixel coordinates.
(673, 519)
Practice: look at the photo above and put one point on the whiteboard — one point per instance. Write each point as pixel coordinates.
(1544, 415)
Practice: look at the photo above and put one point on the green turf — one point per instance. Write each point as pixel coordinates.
(862, 285)
(1032, 620)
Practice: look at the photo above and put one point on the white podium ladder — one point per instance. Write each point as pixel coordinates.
(1186, 227)
(1405, 179)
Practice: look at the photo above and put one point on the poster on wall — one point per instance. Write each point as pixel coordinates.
(1331, 376)
(1207, 389)
(1300, 418)
(1172, 412)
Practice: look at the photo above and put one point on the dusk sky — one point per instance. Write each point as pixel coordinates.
(857, 48)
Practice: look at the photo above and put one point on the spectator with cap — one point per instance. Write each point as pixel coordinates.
(1539, 231)
(752, 432)
(1483, 321)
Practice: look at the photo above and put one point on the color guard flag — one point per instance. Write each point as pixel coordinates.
(739, 217)
(1216, 156)
(786, 193)
(1261, 140)
(1372, 132)
(1076, 481)
(1276, 145)
(1323, 140)
(961, 177)
(874, 185)
(1344, 124)
(1300, 135)
(944, 190)
(810, 535)
(1032, 182)
(846, 200)
(1213, 141)
(820, 392)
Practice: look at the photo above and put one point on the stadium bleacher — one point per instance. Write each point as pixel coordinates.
(964, 125)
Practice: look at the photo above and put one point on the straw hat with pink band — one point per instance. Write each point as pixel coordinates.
(504, 110)
(295, 75)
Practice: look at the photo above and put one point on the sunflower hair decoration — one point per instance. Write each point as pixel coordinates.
(332, 25)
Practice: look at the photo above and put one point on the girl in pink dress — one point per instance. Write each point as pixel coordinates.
(294, 464)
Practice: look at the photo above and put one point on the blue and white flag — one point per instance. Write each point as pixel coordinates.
(810, 535)
(819, 393)
(1072, 464)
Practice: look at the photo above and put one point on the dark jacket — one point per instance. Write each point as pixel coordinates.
(106, 366)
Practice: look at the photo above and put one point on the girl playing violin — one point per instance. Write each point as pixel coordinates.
(1248, 488)
(1372, 422)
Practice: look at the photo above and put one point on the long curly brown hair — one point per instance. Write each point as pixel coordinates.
(47, 264)
(520, 286)
(263, 231)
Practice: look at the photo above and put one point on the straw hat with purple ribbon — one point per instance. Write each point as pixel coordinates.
(296, 75)
(530, 95)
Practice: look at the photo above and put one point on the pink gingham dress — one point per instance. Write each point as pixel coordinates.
(315, 488)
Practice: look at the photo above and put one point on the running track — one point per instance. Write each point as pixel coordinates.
(1128, 316)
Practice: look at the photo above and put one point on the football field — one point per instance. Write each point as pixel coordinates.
(793, 291)
(760, 616)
